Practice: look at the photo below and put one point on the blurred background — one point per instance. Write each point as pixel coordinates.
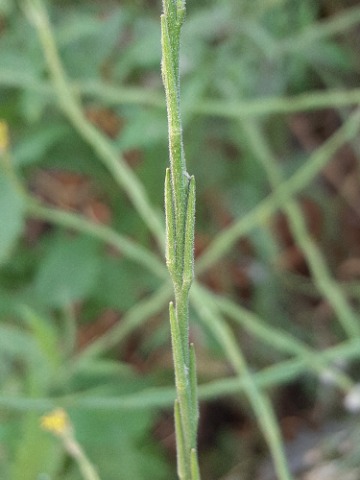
(269, 95)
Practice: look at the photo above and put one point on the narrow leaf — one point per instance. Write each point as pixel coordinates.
(195, 472)
(68, 271)
(170, 252)
(188, 272)
(43, 332)
(181, 13)
(12, 219)
(193, 387)
(170, 9)
(180, 443)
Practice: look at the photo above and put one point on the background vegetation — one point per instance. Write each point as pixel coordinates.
(269, 96)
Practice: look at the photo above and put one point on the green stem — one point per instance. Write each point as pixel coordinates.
(151, 305)
(182, 389)
(86, 468)
(283, 342)
(259, 214)
(161, 397)
(114, 95)
(318, 31)
(79, 223)
(260, 403)
(180, 222)
(72, 108)
(318, 267)
(133, 319)
(169, 28)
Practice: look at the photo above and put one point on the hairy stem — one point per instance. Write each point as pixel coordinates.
(180, 222)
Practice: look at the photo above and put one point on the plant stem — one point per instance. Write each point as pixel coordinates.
(260, 403)
(112, 94)
(161, 397)
(279, 340)
(283, 342)
(317, 265)
(289, 187)
(71, 106)
(316, 33)
(80, 223)
(180, 223)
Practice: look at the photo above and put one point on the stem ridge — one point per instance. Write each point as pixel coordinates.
(180, 226)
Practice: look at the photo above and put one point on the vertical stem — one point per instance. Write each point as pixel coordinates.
(170, 28)
(71, 106)
(180, 223)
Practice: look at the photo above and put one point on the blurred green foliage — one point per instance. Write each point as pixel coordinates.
(55, 283)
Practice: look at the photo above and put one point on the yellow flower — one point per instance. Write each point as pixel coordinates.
(56, 422)
(4, 136)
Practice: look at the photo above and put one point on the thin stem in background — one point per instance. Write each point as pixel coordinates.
(224, 241)
(79, 223)
(71, 106)
(103, 150)
(111, 94)
(282, 341)
(114, 95)
(58, 423)
(208, 311)
(131, 320)
(327, 28)
(317, 265)
(136, 316)
(158, 397)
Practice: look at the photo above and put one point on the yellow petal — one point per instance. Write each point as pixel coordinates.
(56, 422)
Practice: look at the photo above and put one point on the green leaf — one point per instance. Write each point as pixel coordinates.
(170, 226)
(20, 359)
(84, 33)
(33, 105)
(17, 343)
(188, 266)
(43, 332)
(120, 283)
(330, 55)
(35, 449)
(142, 129)
(69, 271)
(16, 66)
(180, 442)
(36, 144)
(120, 445)
(11, 216)
(195, 472)
(76, 27)
(145, 51)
